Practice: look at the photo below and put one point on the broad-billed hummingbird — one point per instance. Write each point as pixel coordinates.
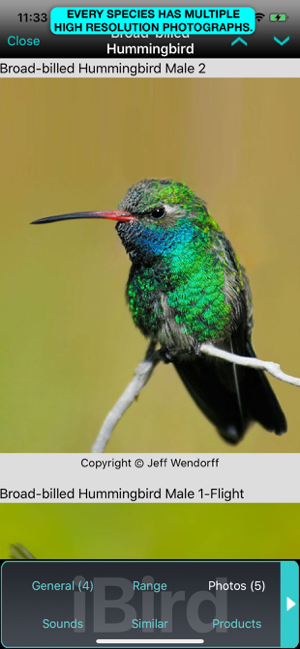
(186, 286)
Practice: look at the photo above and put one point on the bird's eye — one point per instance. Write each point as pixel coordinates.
(158, 213)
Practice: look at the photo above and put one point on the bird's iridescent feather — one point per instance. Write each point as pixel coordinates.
(185, 287)
(183, 267)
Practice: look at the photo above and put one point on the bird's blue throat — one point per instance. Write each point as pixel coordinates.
(150, 242)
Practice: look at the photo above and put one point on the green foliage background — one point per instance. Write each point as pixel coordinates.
(152, 531)
(68, 344)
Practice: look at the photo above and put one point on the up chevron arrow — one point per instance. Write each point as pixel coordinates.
(278, 41)
(239, 39)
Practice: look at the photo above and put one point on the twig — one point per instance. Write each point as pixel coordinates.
(145, 369)
(17, 551)
(256, 363)
(141, 377)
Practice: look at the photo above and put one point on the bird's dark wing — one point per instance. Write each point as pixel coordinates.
(211, 384)
(236, 284)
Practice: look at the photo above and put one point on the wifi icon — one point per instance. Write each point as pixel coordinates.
(259, 17)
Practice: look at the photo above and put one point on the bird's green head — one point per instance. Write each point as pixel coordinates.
(168, 216)
(156, 218)
(161, 199)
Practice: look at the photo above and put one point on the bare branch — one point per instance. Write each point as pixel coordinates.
(18, 551)
(145, 369)
(141, 377)
(256, 363)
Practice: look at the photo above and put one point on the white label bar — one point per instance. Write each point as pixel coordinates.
(149, 68)
(150, 478)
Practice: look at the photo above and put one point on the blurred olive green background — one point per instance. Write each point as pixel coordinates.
(173, 531)
(69, 346)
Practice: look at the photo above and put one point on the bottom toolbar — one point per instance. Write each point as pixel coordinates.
(145, 603)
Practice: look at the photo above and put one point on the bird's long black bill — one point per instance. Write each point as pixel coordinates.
(113, 216)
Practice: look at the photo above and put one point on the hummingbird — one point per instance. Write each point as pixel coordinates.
(186, 287)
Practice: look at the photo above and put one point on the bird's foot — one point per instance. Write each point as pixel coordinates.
(169, 355)
(198, 349)
(165, 355)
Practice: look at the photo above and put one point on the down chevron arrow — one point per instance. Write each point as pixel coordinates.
(278, 41)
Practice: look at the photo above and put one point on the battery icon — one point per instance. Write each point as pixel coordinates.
(278, 18)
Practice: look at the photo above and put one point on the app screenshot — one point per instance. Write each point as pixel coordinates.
(150, 364)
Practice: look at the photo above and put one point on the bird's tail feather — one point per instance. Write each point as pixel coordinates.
(262, 401)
